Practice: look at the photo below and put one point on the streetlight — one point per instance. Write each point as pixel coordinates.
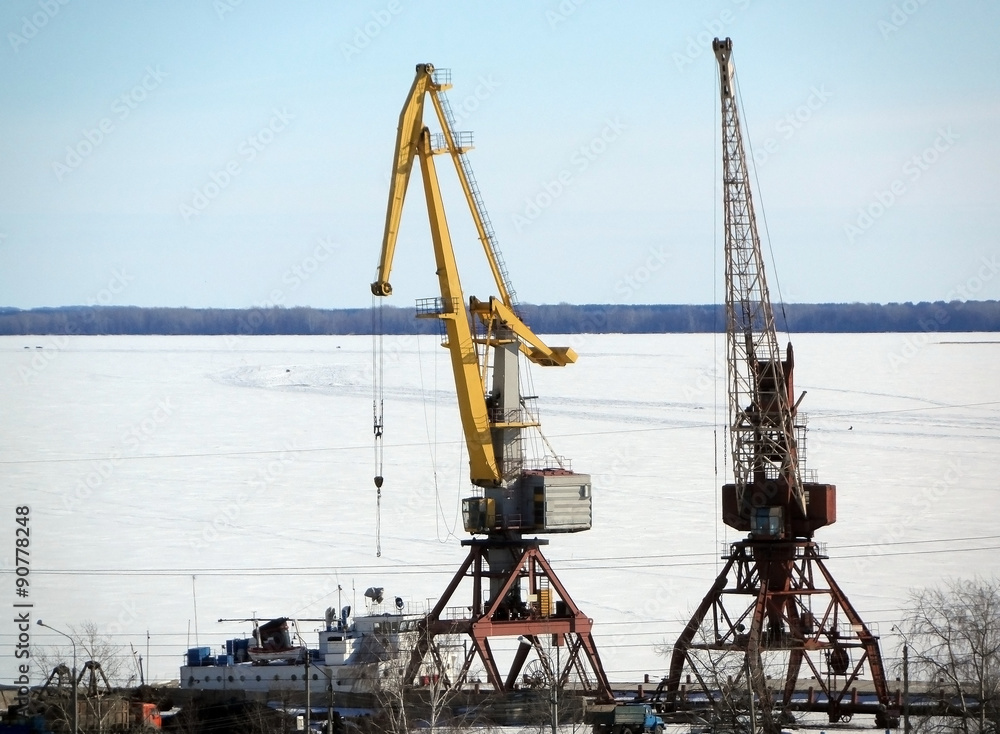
(906, 680)
(76, 710)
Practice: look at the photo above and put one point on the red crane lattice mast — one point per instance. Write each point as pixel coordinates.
(775, 610)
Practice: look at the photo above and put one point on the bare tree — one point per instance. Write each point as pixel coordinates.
(428, 705)
(91, 646)
(188, 721)
(54, 701)
(100, 648)
(257, 718)
(385, 668)
(723, 675)
(546, 700)
(101, 663)
(953, 633)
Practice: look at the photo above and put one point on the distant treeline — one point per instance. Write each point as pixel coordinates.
(798, 318)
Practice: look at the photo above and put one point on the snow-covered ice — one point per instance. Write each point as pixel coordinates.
(238, 471)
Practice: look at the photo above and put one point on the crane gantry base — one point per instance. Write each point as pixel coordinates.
(549, 611)
(773, 607)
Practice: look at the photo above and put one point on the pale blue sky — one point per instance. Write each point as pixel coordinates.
(118, 116)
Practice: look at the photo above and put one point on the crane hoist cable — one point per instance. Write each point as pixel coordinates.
(532, 417)
(430, 428)
(378, 417)
(760, 207)
(715, 326)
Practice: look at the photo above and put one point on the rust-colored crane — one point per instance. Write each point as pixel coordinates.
(515, 592)
(775, 611)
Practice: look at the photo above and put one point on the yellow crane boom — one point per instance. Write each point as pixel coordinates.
(430, 81)
(483, 421)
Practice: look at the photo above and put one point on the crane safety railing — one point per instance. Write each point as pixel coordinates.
(441, 77)
(744, 549)
(549, 463)
(516, 417)
(512, 466)
(512, 463)
(801, 432)
(453, 614)
(463, 141)
(437, 308)
(432, 307)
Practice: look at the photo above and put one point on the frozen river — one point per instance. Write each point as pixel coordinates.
(234, 475)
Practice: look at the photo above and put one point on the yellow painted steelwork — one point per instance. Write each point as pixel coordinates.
(410, 126)
(469, 362)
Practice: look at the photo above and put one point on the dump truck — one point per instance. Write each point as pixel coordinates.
(625, 718)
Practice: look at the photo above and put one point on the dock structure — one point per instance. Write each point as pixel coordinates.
(518, 707)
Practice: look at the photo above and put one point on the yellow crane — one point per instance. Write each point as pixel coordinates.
(497, 315)
(492, 416)
(484, 339)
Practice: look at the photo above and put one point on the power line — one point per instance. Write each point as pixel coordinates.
(446, 568)
(630, 623)
(210, 454)
(911, 410)
(359, 447)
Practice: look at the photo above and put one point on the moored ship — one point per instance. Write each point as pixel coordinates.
(347, 657)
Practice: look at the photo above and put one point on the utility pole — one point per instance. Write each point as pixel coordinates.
(555, 687)
(76, 709)
(305, 721)
(906, 680)
(906, 688)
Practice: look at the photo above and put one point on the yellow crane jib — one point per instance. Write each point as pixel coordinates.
(434, 82)
(407, 138)
(483, 338)
(494, 311)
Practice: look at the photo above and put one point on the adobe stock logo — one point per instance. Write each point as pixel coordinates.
(792, 122)
(93, 138)
(633, 282)
(581, 160)
(30, 27)
(247, 150)
(365, 34)
(884, 199)
(900, 16)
